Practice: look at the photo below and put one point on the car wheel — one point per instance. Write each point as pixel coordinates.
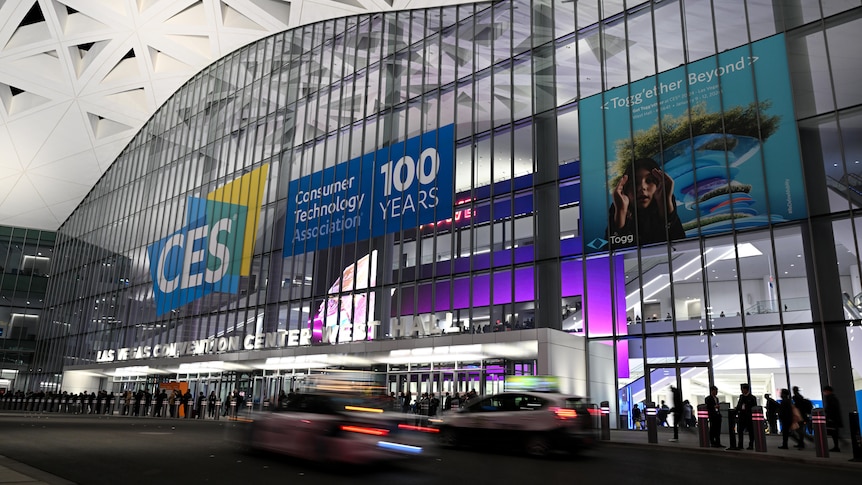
(448, 438)
(538, 446)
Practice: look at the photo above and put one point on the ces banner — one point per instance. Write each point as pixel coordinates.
(403, 185)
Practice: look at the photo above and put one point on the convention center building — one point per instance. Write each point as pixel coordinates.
(626, 196)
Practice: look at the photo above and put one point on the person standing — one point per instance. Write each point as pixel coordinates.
(678, 412)
(636, 417)
(714, 414)
(744, 421)
(805, 407)
(771, 413)
(785, 414)
(834, 422)
(211, 403)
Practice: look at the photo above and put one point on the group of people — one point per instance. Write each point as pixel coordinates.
(162, 403)
(793, 412)
(429, 403)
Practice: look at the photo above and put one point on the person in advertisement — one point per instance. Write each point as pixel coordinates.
(644, 207)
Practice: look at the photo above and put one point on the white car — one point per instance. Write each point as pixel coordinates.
(534, 422)
(336, 428)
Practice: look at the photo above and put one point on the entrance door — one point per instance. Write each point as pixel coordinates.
(693, 381)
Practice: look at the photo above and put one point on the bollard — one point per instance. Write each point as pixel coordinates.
(855, 436)
(202, 411)
(248, 407)
(821, 438)
(703, 426)
(757, 420)
(651, 423)
(731, 428)
(606, 421)
(217, 409)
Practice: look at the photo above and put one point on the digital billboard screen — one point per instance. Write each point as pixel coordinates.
(701, 149)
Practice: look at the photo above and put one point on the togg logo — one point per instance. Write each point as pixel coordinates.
(214, 249)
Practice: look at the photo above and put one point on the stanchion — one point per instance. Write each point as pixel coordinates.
(651, 423)
(606, 421)
(821, 438)
(757, 420)
(703, 426)
(855, 436)
(731, 428)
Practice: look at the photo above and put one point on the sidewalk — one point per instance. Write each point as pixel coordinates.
(688, 441)
(18, 473)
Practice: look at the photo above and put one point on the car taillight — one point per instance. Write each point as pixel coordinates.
(424, 429)
(563, 413)
(365, 430)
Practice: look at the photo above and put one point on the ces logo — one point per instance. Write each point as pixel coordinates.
(214, 249)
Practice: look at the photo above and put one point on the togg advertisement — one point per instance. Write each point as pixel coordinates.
(406, 184)
(701, 149)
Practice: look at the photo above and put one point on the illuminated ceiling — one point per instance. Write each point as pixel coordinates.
(78, 78)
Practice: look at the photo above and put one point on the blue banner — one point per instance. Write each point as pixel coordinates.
(397, 187)
(701, 149)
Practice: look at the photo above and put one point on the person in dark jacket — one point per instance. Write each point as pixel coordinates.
(678, 408)
(714, 414)
(834, 422)
(785, 415)
(644, 208)
(771, 413)
(744, 422)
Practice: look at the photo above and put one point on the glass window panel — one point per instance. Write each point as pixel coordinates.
(503, 156)
(587, 13)
(730, 22)
(482, 163)
(589, 68)
(522, 90)
(809, 73)
(641, 49)
(699, 30)
(564, 17)
(845, 61)
(689, 301)
(757, 279)
(819, 138)
(502, 111)
(761, 18)
(721, 282)
(792, 275)
(613, 50)
(566, 72)
(568, 143)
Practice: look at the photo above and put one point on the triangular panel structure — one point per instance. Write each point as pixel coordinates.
(192, 15)
(164, 63)
(277, 9)
(233, 19)
(103, 127)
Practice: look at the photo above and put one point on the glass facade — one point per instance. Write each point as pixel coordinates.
(25, 262)
(453, 194)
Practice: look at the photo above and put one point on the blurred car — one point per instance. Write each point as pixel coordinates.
(336, 428)
(535, 423)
